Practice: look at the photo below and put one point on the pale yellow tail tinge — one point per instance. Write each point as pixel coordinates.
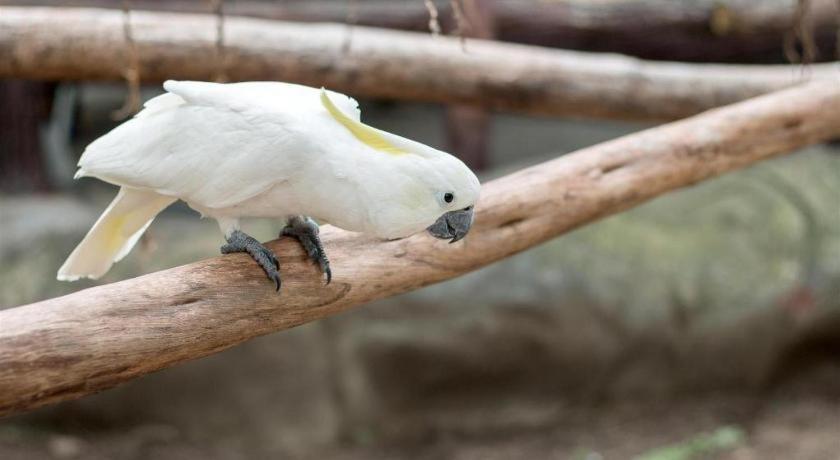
(114, 233)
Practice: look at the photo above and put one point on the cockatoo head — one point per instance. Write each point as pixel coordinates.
(456, 194)
(409, 186)
(435, 192)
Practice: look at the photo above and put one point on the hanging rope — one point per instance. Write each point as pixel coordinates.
(132, 70)
(462, 25)
(802, 33)
(837, 35)
(350, 21)
(220, 54)
(434, 25)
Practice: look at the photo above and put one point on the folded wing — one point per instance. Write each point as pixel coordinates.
(211, 144)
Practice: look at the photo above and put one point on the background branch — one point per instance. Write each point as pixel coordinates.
(700, 30)
(94, 339)
(84, 44)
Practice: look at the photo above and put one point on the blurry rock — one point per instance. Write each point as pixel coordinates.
(507, 369)
(65, 447)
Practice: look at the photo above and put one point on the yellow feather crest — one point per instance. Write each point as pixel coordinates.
(364, 133)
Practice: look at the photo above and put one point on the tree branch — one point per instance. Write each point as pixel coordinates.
(82, 44)
(96, 338)
(700, 30)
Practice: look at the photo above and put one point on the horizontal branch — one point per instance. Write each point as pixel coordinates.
(88, 44)
(700, 30)
(96, 338)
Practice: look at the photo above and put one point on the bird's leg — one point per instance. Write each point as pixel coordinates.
(306, 231)
(239, 241)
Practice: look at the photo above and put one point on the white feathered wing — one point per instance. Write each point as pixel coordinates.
(211, 145)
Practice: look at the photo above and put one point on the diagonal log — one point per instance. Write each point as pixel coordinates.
(70, 346)
(87, 44)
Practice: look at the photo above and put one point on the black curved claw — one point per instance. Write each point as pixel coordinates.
(306, 231)
(276, 277)
(238, 241)
(273, 258)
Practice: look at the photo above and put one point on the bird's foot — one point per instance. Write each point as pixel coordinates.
(239, 241)
(306, 231)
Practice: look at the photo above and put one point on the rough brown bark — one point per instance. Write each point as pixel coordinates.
(700, 30)
(81, 44)
(94, 339)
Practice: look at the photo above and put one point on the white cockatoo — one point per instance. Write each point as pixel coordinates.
(267, 149)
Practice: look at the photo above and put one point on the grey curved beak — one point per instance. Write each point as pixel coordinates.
(453, 225)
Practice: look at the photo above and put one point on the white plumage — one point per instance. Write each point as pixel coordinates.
(262, 149)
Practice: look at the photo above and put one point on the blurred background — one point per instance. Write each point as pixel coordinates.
(704, 324)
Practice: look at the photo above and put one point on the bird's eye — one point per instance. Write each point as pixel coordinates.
(448, 197)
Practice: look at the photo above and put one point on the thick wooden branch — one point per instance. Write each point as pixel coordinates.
(81, 44)
(700, 30)
(94, 339)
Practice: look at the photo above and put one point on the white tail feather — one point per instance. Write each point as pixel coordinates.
(114, 233)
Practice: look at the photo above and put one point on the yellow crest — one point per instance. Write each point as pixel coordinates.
(364, 133)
